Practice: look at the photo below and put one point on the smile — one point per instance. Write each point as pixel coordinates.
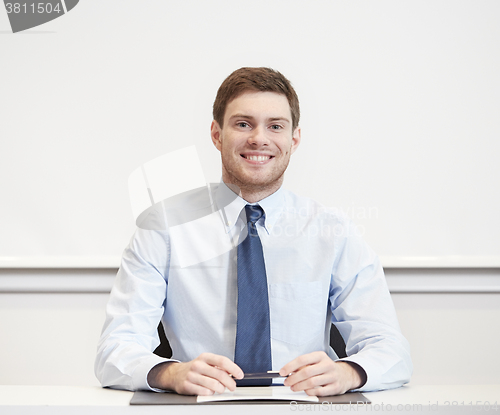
(256, 158)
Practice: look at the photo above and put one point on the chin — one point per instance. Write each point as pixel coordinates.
(257, 182)
(245, 178)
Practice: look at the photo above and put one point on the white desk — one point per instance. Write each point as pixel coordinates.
(438, 399)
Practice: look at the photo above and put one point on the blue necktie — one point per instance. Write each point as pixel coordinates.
(253, 331)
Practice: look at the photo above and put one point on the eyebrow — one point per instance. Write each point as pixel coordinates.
(248, 117)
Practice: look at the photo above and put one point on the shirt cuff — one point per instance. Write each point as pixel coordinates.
(140, 376)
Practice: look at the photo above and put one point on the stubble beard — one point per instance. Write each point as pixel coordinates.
(250, 185)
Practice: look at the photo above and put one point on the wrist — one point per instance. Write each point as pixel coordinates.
(356, 374)
(161, 376)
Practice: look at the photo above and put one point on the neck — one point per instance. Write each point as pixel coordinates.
(252, 193)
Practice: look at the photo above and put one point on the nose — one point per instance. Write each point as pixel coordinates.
(258, 137)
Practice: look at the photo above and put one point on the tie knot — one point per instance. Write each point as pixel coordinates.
(254, 213)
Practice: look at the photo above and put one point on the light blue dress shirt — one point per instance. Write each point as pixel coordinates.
(180, 267)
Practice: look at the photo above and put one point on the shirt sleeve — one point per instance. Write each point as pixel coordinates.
(136, 304)
(363, 311)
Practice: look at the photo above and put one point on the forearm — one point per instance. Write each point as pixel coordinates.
(386, 363)
(124, 365)
(125, 349)
(366, 319)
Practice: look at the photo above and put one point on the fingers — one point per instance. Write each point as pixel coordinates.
(205, 375)
(302, 361)
(316, 374)
(221, 368)
(306, 373)
(204, 381)
(324, 383)
(196, 384)
(223, 363)
(307, 376)
(214, 373)
(327, 390)
(312, 382)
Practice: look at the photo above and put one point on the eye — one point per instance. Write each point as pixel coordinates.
(242, 124)
(276, 127)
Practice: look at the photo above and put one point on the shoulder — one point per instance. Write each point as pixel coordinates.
(176, 210)
(311, 209)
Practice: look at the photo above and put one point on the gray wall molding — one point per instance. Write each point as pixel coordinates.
(399, 280)
(113, 262)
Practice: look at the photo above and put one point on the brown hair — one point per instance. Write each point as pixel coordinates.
(255, 79)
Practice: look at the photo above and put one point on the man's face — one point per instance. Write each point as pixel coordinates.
(256, 140)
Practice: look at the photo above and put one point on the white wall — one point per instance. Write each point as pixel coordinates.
(399, 117)
(50, 337)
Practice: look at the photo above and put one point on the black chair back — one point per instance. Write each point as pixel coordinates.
(336, 342)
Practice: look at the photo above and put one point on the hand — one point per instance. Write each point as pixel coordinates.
(318, 375)
(205, 375)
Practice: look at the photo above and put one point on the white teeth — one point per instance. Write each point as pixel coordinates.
(258, 158)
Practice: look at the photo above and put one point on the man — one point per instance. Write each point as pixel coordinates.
(315, 270)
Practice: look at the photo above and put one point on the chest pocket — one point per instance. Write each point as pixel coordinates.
(297, 311)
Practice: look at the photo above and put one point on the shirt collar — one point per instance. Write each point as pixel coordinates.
(230, 206)
(273, 208)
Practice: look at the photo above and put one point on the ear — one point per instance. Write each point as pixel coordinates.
(295, 140)
(216, 134)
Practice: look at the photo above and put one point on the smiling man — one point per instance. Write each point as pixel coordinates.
(256, 137)
(267, 302)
